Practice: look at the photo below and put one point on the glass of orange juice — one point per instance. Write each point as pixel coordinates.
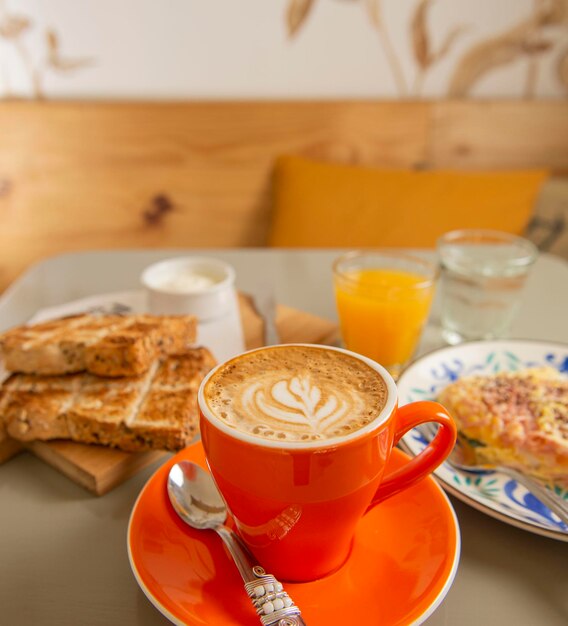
(383, 301)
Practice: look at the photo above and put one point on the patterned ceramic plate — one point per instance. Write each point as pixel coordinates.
(490, 492)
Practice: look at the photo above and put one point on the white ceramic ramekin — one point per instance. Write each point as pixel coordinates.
(208, 302)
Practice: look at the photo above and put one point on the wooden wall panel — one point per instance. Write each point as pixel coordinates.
(96, 175)
(485, 134)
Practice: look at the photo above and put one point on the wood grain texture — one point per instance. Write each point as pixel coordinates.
(8, 449)
(99, 469)
(493, 135)
(83, 176)
(95, 468)
(77, 176)
(293, 326)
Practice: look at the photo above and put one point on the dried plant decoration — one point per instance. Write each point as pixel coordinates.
(420, 38)
(12, 26)
(553, 12)
(424, 55)
(522, 41)
(374, 12)
(485, 56)
(298, 11)
(56, 61)
(12, 29)
(296, 14)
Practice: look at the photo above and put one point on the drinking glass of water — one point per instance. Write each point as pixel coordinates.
(482, 276)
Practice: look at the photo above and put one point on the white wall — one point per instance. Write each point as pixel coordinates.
(163, 49)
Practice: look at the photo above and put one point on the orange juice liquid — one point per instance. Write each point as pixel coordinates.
(382, 312)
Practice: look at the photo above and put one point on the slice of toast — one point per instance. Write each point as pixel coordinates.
(156, 410)
(105, 345)
(8, 447)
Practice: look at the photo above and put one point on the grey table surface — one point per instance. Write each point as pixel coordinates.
(63, 557)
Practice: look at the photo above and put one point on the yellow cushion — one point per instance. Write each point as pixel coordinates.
(325, 205)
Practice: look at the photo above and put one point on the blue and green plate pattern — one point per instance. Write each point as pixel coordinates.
(489, 491)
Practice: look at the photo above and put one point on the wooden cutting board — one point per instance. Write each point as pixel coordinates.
(100, 469)
(8, 448)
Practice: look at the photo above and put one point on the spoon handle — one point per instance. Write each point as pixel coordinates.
(273, 605)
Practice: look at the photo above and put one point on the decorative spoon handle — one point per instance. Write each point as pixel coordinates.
(273, 605)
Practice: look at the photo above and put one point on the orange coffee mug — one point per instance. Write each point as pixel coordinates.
(296, 504)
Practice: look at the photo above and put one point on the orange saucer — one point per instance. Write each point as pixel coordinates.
(404, 559)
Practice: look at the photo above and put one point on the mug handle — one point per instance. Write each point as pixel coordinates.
(407, 417)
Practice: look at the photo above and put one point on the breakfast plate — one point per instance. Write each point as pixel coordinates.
(491, 492)
(403, 562)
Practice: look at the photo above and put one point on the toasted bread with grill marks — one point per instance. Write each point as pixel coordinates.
(105, 345)
(155, 410)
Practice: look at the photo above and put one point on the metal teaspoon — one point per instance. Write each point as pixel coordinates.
(195, 498)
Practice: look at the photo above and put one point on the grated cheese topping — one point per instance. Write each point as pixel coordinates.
(517, 418)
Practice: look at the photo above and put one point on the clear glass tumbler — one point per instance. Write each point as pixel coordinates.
(482, 276)
(383, 301)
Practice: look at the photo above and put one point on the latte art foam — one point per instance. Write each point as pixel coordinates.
(296, 393)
